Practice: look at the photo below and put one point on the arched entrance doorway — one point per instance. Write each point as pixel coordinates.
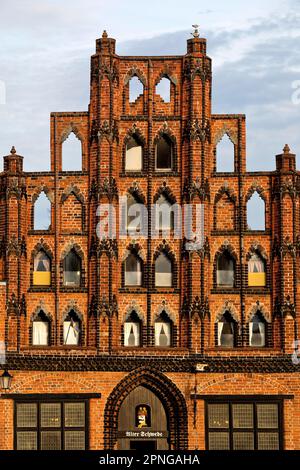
(145, 410)
(142, 422)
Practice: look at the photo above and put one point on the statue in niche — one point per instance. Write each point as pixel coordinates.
(143, 416)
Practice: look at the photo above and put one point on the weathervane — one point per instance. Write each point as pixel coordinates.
(196, 32)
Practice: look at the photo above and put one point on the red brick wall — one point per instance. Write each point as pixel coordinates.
(194, 303)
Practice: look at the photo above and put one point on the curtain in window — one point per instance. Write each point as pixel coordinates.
(40, 333)
(226, 332)
(162, 333)
(71, 332)
(257, 332)
(41, 262)
(256, 265)
(132, 334)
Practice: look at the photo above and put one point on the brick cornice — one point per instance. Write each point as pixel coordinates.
(219, 364)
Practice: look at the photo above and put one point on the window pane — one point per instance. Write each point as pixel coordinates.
(256, 264)
(242, 416)
(72, 269)
(257, 332)
(50, 440)
(41, 262)
(162, 334)
(225, 262)
(26, 415)
(74, 415)
(50, 415)
(267, 416)
(243, 441)
(163, 154)
(242, 425)
(71, 332)
(218, 441)
(163, 271)
(133, 160)
(72, 278)
(74, 440)
(133, 278)
(40, 333)
(133, 271)
(218, 415)
(164, 216)
(225, 270)
(225, 278)
(27, 440)
(131, 334)
(226, 332)
(163, 280)
(268, 441)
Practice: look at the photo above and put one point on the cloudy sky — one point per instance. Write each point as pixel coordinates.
(45, 50)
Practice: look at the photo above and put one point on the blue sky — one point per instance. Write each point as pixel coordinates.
(45, 50)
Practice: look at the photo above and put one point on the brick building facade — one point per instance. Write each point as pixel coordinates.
(114, 342)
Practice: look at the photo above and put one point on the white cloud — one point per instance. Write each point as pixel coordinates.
(46, 47)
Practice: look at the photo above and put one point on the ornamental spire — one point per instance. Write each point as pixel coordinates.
(195, 33)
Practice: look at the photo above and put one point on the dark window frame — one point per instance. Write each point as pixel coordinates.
(38, 429)
(247, 401)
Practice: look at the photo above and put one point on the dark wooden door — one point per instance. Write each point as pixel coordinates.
(142, 397)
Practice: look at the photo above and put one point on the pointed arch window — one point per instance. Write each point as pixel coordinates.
(134, 155)
(256, 212)
(72, 153)
(41, 269)
(257, 331)
(226, 331)
(164, 154)
(133, 214)
(133, 270)
(163, 89)
(41, 330)
(256, 271)
(163, 271)
(164, 214)
(132, 330)
(225, 270)
(72, 329)
(163, 330)
(136, 89)
(42, 213)
(72, 269)
(225, 155)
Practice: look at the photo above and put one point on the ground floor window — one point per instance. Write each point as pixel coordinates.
(51, 425)
(243, 425)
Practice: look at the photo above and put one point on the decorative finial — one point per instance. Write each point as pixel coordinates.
(104, 34)
(286, 149)
(196, 32)
(13, 150)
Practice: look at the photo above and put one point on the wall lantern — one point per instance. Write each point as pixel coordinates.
(6, 379)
